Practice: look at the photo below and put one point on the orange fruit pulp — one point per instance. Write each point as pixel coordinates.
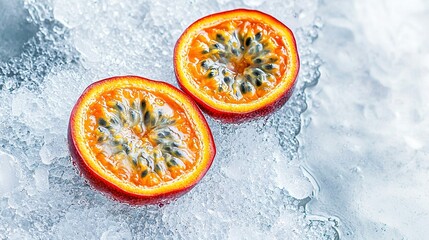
(139, 137)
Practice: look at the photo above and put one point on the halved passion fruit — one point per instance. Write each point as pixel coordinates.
(140, 141)
(237, 64)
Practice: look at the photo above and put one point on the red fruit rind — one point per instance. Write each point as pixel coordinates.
(105, 181)
(237, 112)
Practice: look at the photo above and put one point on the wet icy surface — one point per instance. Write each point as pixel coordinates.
(347, 157)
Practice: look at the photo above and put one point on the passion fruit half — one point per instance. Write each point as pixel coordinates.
(141, 141)
(238, 64)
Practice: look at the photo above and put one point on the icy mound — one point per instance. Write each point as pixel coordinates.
(257, 188)
(367, 141)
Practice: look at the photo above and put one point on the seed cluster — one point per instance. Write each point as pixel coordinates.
(239, 62)
(144, 136)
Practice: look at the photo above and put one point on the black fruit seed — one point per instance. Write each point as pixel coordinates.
(248, 77)
(143, 105)
(243, 87)
(146, 118)
(269, 66)
(126, 148)
(119, 106)
(144, 173)
(256, 72)
(173, 162)
(177, 153)
(248, 41)
(102, 122)
(167, 148)
(114, 121)
(219, 37)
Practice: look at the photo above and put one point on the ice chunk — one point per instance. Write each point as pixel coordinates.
(254, 188)
(116, 233)
(8, 174)
(30, 109)
(247, 233)
(253, 3)
(55, 147)
(41, 178)
(79, 223)
(70, 13)
(294, 181)
(46, 155)
(25, 104)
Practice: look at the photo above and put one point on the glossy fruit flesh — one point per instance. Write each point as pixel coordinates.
(237, 62)
(144, 137)
(237, 65)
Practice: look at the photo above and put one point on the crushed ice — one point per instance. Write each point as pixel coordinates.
(258, 187)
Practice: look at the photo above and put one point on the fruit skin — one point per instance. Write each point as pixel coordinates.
(113, 191)
(234, 117)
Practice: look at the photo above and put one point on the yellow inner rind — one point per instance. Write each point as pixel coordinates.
(196, 119)
(288, 79)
